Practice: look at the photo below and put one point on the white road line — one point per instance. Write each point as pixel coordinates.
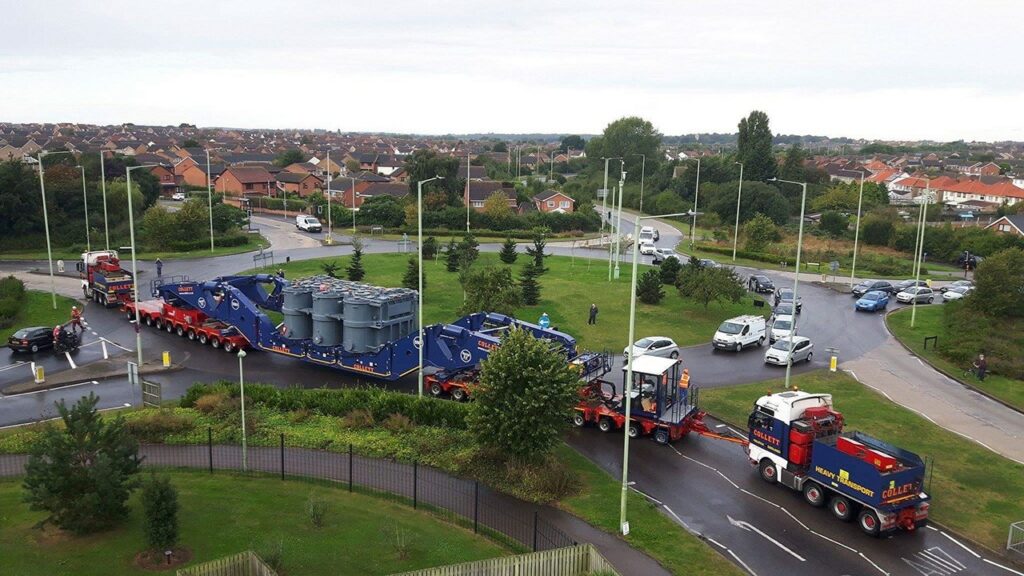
(715, 542)
(10, 366)
(742, 563)
(949, 563)
(958, 543)
(645, 495)
(70, 361)
(836, 542)
(751, 528)
(870, 561)
(932, 528)
(1003, 567)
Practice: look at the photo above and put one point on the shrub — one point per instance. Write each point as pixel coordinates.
(214, 403)
(160, 518)
(649, 289)
(361, 418)
(156, 425)
(316, 509)
(398, 423)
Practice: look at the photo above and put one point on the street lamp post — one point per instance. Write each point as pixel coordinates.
(604, 211)
(241, 385)
(643, 171)
(796, 277)
(328, 177)
(103, 184)
(618, 225)
(696, 192)
(629, 370)
(209, 197)
(419, 278)
(739, 196)
(353, 204)
(135, 269)
(856, 232)
(85, 202)
(46, 222)
(920, 251)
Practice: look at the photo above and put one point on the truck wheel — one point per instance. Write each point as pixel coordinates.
(661, 437)
(159, 324)
(605, 425)
(435, 389)
(674, 355)
(191, 334)
(814, 495)
(634, 431)
(459, 394)
(203, 339)
(868, 521)
(768, 472)
(215, 343)
(841, 508)
(578, 420)
(170, 328)
(149, 320)
(181, 331)
(228, 346)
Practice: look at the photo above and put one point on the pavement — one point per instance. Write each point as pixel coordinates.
(103, 369)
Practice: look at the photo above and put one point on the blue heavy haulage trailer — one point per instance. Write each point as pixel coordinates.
(796, 439)
(346, 325)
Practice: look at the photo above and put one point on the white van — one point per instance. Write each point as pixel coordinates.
(307, 223)
(647, 235)
(736, 333)
(782, 327)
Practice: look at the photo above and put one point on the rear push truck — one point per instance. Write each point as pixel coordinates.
(797, 440)
(103, 279)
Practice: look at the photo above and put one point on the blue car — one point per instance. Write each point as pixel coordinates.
(873, 301)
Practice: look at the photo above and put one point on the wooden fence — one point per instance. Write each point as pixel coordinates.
(581, 560)
(242, 564)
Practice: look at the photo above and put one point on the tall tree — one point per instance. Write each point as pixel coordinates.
(496, 206)
(451, 256)
(793, 165)
(490, 289)
(754, 147)
(469, 250)
(424, 164)
(537, 251)
(289, 157)
(160, 508)
(626, 138)
(648, 287)
(1000, 282)
(707, 285)
(669, 271)
(572, 142)
(760, 232)
(508, 253)
(411, 277)
(355, 266)
(529, 285)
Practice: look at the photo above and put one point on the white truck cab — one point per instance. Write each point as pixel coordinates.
(647, 234)
(740, 332)
(307, 223)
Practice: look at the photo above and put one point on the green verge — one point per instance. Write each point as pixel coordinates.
(226, 513)
(929, 323)
(567, 290)
(650, 530)
(73, 255)
(974, 491)
(38, 311)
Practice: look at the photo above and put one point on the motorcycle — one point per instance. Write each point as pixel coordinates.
(66, 340)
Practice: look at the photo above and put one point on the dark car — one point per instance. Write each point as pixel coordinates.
(872, 285)
(957, 284)
(709, 263)
(785, 296)
(761, 284)
(31, 339)
(968, 260)
(901, 286)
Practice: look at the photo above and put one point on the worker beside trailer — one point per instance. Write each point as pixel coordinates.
(103, 279)
(796, 439)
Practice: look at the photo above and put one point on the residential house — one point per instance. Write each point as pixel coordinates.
(168, 181)
(375, 189)
(297, 183)
(554, 201)
(245, 180)
(993, 191)
(478, 191)
(986, 169)
(1013, 224)
(388, 165)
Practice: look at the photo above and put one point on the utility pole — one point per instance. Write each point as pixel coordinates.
(330, 239)
(209, 196)
(856, 232)
(736, 232)
(467, 189)
(618, 225)
(696, 192)
(103, 183)
(85, 201)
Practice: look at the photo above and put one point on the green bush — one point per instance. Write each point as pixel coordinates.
(12, 298)
(153, 427)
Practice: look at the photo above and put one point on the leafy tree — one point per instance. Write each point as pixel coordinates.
(1000, 285)
(469, 250)
(537, 251)
(452, 256)
(192, 220)
(529, 284)
(757, 197)
(500, 147)
(411, 277)
(626, 138)
(526, 396)
(707, 285)
(754, 147)
(572, 142)
(159, 229)
(330, 268)
(352, 165)
(382, 210)
(289, 157)
(160, 518)
(84, 473)
(793, 164)
(355, 266)
(496, 206)
(838, 197)
(190, 143)
(760, 232)
(490, 289)
(430, 248)
(648, 287)
(226, 217)
(424, 164)
(877, 230)
(508, 252)
(669, 271)
(833, 223)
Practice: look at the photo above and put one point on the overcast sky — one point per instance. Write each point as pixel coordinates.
(911, 69)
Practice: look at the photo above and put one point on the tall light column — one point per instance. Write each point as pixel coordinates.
(135, 269)
(241, 385)
(856, 232)
(85, 202)
(739, 196)
(103, 184)
(209, 197)
(643, 172)
(696, 192)
(46, 224)
(604, 212)
(419, 278)
(328, 177)
(353, 204)
(618, 226)
(920, 251)
(796, 277)
(467, 190)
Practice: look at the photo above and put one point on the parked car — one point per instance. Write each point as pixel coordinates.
(784, 295)
(662, 254)
(739, 332)
(872, 285)
(783, 309)
(782, 327)
(307, 223)
(968, 260)
(31, 339)
(957, 292)
(178, 196)
(923, 295)
(957, 284)
(761, 284)
(873, 301)
(647, 248)
(652, 346)
(901, 286)
(778, 354)
(709, 263)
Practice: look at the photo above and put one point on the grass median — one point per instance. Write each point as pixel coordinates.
(929, 322)
(38, 310)
(567, 290)
(974, 491)
(72, 254)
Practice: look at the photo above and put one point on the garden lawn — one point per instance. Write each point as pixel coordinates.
(567, 290)
(38, 311)
(974, 491)
(223, 514)
(929, 323)
(73, 254)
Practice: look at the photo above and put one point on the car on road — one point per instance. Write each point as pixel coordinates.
(901, 286)
(647, 248)
(957, 284)
(31, 339)
(783, 309)
(872, 301)
(778, 354)
(648, 234)
(784, 295)
(739, 332)
(922, 295)
(178, 196)
(782, 327)
(662, 254)
(308, 223)
(709, 263)
(957, 292)
(761, 284)
(872, 285)
(652, 346)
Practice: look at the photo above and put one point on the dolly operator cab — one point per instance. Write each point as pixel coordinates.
(796, 439)
(307, 223)
(739, 332)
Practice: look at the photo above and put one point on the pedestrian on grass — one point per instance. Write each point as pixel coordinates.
(593, 314)
(159, 268)
(982, 366)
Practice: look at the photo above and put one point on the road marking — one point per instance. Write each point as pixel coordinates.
(9, 366)
(742, 563)
(103, 343)
(960, 544)
(645, 495)
(869, 560)
(70, 361)
(751, 528)
(715, 542)
(50, 389)
(1003, 567)
(940, 556)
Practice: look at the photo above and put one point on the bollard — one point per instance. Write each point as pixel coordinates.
(39, 373)
(167, 359)
(832, 362)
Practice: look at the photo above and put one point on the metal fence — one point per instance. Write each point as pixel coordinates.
(574, 561)
(458, 500)
(242, 564)
(1015, 540)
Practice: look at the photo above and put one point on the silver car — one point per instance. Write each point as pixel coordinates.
(778, 354)
(652, 346)
(922, 294)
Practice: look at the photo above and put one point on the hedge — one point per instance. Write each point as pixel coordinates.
(224, 241)
(12, 298)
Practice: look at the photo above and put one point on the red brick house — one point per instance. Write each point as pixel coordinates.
(554, 201)
(245, 180)
(393, 189)
(168, 182)
(341, 189)
(478, 191)
(298, 183)
(1013, 224)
